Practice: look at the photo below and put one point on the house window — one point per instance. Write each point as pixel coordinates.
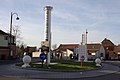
(5, 37)
(93, 54)
(101, 54)
(89, 53)
(107, 48)
(118, 52)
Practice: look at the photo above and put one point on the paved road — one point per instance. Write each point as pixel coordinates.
(115, 76)
(10, 71)
(5, 62)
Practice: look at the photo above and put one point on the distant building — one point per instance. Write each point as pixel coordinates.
(65, 51)
(109, 47)
(92, 49)
(104, 50)
(117, 51)
(29, 50)
(110, 51)
(5, 52)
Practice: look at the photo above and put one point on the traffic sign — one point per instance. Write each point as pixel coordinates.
(82, 58)
(43, 56)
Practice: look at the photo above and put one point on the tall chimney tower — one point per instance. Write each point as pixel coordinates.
(47, 35)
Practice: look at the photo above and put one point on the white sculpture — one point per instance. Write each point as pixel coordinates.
(98, 62)
(82, 52)
(102, 53)
(26, 61)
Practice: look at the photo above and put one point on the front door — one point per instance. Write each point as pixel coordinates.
(107, 56)
(2, 57)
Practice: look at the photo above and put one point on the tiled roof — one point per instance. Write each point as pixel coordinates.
(67, 46)
(107, 42)
(3, 33)
(94, 46)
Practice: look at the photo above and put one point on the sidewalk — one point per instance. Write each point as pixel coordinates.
(37, 74)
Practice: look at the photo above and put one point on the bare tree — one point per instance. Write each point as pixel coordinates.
(20, 45)
(17, 34)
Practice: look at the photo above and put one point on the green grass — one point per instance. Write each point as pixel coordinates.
(73, 65)
(65, 65)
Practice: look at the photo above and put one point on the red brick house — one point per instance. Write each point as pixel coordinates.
(109, 50)
(117, 51)
(29, 50)
(109, 47)
(92, 49)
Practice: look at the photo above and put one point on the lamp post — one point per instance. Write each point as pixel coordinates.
(10, 36)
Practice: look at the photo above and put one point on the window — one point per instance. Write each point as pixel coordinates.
(118, 52)
(101, 54)
(5, 37)
(93, 54)
(89, 53)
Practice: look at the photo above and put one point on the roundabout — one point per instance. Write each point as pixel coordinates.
(11, 70)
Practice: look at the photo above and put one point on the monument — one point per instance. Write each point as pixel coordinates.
(83, 48)
(47, 34)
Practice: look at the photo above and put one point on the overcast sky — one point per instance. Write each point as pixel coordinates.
(70, 18)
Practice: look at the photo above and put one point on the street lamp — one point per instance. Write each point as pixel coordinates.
(10, 36)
